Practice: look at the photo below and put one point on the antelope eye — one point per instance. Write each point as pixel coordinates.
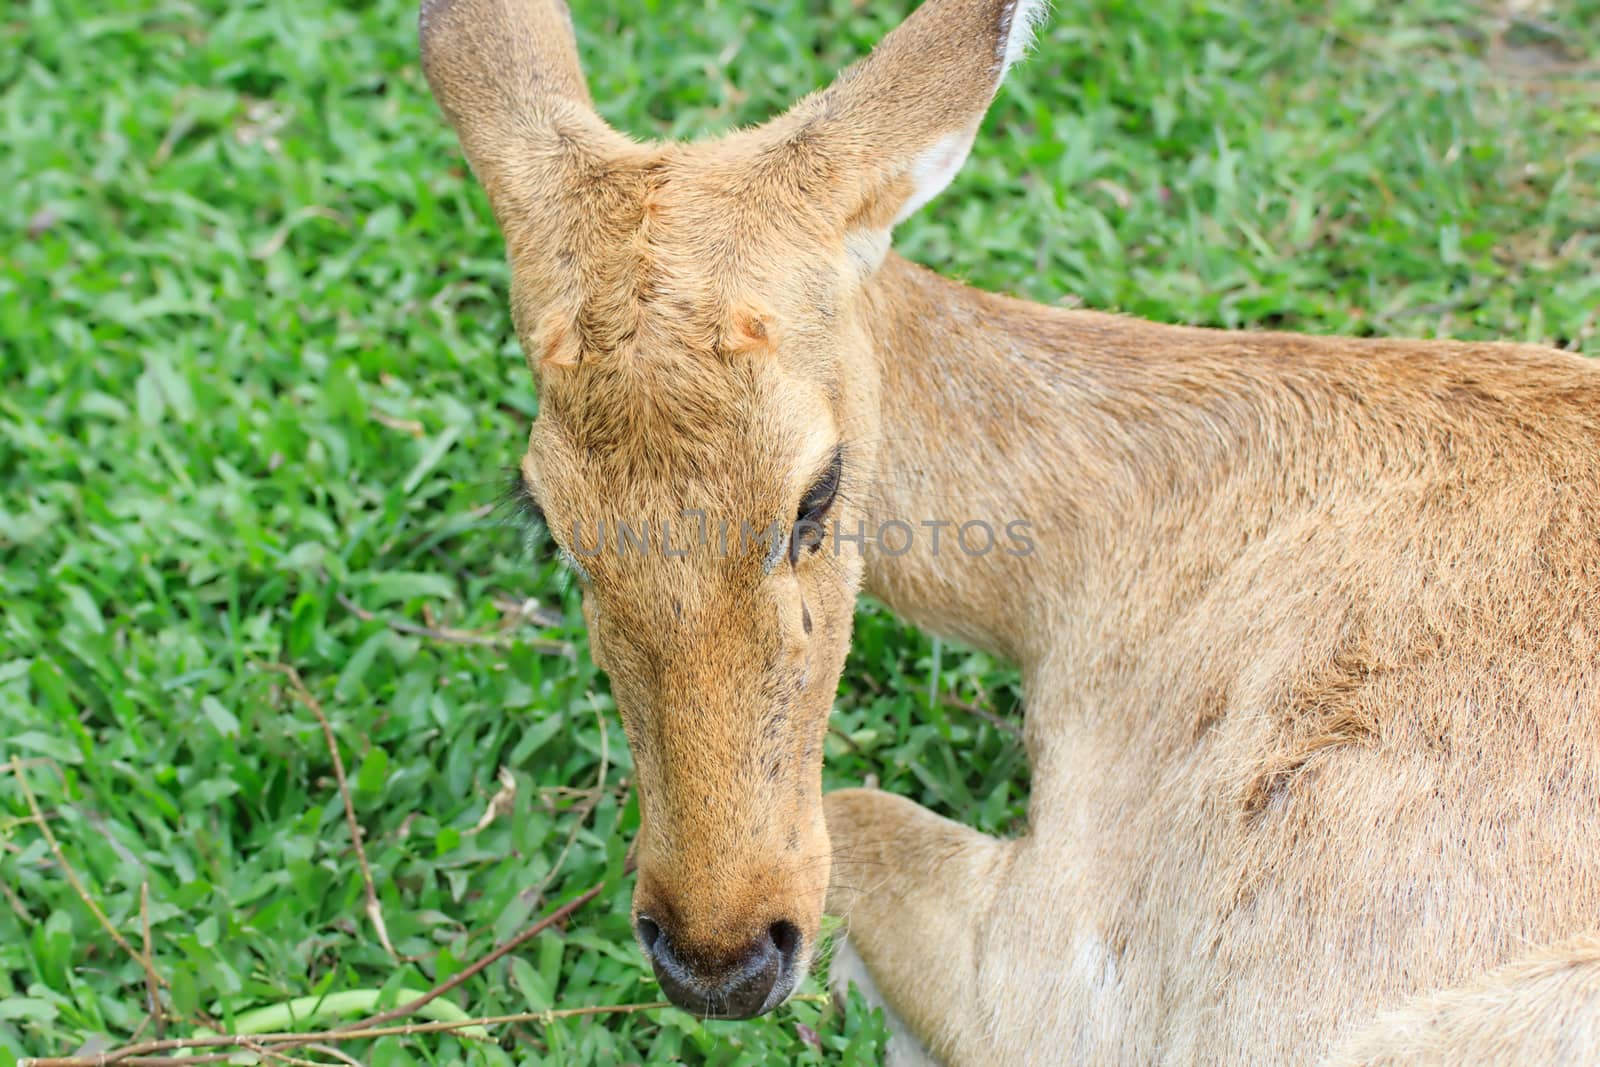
(819, 498)
(814, 508)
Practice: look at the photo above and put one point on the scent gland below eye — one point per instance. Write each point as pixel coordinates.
(814, 507)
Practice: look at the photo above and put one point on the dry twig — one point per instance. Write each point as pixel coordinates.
(16, 904)
(395, 422)
(985, 714)
(457, 979)
(451, 635)
(154, 1053)
(586, 807)
(135, 1055)
(374, 910)
(282, 1057)
(849, 742)
(503, 802)
(152, 980)
(333, 1053)
(72, 876)
(141, 1055)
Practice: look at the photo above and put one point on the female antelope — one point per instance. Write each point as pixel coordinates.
(1310, 629)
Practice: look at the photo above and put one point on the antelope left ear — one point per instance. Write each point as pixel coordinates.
(892, 131)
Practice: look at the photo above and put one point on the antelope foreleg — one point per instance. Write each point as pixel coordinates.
(913, 890)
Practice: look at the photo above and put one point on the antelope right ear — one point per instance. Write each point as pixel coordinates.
(892, 131)
(506, 75)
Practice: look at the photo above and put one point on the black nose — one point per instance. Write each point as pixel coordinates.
(746, 984)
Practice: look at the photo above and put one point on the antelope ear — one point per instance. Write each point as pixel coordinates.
(892, 131)
(506, 75)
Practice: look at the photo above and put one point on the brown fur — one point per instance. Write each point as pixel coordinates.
(1311, 634)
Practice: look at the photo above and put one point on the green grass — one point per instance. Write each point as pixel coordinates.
(257, 367)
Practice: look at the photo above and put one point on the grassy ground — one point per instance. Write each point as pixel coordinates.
(258, 391)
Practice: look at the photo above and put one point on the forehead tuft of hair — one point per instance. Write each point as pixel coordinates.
(652, 410)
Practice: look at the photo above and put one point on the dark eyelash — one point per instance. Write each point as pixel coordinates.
(821, 495)
(520, 498)
(815, 504)
(536, 528)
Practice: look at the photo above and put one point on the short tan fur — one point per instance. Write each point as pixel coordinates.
(1310, 631)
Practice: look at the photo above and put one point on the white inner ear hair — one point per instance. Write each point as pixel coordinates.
(936, 168)
(1025, 18)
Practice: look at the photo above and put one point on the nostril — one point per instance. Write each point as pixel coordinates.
(785, 938)
(649, 933)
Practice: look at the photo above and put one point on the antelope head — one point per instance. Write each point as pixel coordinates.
(697, 320)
